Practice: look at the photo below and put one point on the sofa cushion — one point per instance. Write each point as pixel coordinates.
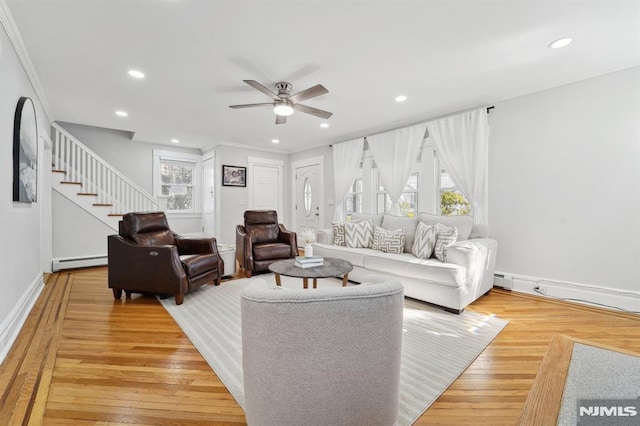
(445, 237)
(425, 241)
(407, 265)
(355, 256)
(388, 241)
(463, 224)
(359, 234)
(362, 217)
(409, 224)
(339, 238)
(196, 264)
(269, 251)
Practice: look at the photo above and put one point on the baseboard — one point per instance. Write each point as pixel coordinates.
(11, 326)
(62, 263)
(604, 297)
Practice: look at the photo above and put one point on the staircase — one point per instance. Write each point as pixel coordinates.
(92, 184)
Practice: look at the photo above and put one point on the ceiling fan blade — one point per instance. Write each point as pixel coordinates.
(281, 119)
(251, 105)
(314, 111)
(309, 93)
(263, 89)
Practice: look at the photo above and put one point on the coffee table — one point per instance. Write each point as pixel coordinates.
(332, 267)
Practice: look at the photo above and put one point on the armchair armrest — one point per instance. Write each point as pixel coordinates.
(196, 245)
(325, 236)
(478, 256)
(244, 248)
(153, 269)
(289, 238)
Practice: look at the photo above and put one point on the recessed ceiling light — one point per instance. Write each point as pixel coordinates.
(561, 43)
(175, 140)
(401, 98)
(275, 140)
(136, 74)
(324, 125)
(122, 113)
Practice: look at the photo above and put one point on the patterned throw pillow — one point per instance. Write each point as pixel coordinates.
(425, 241)
(359, 234)
(446, 237)
(388, 241)
(338, 234)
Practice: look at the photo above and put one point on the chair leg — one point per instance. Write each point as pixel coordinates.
(218, 280)
(128, 294)
(247, 273)
(117, 293)
(179, 298)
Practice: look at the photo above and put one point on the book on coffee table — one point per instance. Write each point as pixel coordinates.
(308, 262)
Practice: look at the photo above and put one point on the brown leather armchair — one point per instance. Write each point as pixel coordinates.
(147, 257)
(262, 241)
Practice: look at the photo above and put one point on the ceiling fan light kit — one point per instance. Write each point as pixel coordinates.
(284, 103)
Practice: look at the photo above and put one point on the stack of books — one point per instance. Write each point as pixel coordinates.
(309, 262)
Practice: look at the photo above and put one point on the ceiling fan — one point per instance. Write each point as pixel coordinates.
(284, 103)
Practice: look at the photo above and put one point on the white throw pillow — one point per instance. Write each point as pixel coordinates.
(363, 217)
(425, 241)
(463, 224)
(359, 234)
(446, 237)
(388, 241)
(338, 234)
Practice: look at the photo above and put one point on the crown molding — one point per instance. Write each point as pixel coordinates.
(10, 27)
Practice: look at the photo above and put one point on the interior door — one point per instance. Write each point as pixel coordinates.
(307, 199)
(208, 204)
(266, 188)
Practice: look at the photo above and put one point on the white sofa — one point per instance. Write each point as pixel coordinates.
(466, 275)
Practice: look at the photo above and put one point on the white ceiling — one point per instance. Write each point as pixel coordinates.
(446, 56)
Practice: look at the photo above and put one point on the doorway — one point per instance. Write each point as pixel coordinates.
(308, 194)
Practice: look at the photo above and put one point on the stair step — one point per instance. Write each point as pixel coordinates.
(102, 204)
(71, 183)
(58, 171)
(115, 214)
(88, 193)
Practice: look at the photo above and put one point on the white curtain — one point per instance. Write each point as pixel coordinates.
(462, 147)
(346, 161)
(395, 153)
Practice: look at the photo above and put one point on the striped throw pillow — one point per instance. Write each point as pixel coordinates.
(425, 241)
(446, 237)
(359, 234)
(388, 241)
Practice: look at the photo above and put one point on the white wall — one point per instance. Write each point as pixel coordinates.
(564, 182)
(232, 201)
(21, 223)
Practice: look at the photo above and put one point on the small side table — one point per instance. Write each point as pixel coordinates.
(228, 254)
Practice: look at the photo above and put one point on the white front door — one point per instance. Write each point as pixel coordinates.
(208, 204)
(265, 188)
(307, 200)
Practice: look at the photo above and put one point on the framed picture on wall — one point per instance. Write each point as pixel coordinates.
(234, 176)
(25, 152)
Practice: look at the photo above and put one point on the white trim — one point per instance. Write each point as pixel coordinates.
(245, 146)
(11, 326)
(626, 300)
(279, 164)
(319, 160)
(10, 27)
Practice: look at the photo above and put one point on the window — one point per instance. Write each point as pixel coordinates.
(452, 201)
(408, 200)
(177, 180)
(353, 199)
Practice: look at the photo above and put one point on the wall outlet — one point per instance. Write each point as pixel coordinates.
(540, 289)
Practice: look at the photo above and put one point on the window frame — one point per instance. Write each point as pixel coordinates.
(179, 157)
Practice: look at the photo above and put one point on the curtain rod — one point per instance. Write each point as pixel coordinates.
(489, 108)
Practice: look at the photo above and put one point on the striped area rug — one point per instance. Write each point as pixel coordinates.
(437, 346)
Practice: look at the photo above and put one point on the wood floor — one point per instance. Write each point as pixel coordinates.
(83, 358)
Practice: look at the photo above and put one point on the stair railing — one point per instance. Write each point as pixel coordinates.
(97, 176)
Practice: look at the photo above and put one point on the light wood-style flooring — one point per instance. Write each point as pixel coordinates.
(83, 358)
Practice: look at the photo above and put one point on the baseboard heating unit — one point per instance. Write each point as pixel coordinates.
(78, 262)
